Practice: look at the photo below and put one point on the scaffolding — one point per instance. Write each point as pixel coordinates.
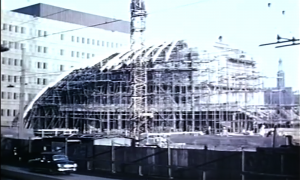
(187, 90)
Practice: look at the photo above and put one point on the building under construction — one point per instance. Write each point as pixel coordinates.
(186, 90)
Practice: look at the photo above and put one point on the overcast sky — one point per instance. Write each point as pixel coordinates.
(243, 23)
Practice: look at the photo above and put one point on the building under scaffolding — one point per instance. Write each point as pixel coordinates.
(187, 90)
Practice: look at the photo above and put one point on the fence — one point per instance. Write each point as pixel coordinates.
(146, 161)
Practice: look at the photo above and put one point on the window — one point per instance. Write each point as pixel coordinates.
(2, 95)
(88, 41)
(88, 55)
(15, 62)
(103, 43)
(78, 39)
(38, 81)
(45, 49)
(83, 55)
(15, 112)
(11, 44)
(15, 96)
(9, 78)
(10, 61)
(8, 112)
(61, 68)
(44, 65)
(22, 46)
(3, 60)
(107, 44)
(112, 45)
(39, 33)
(4, 43)
(16, 45)
(22, 30)
(82, 40)
(21, 62)
(4, 26)
(3, 77)
(61, 52)
(15, 78)
(16, 29)
(73, 38)
(93, 55)
(44, 81)
(39, 48)
(72, 53)
(38, 65)
(45, 34)
(10, 27)
(61, 37)
(9, 95)
(98, 43)
(2, 112)
(77, 54)
(93, 42)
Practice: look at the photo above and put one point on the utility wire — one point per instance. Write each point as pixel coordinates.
(66, 31)
(36, 17)
(100, 24)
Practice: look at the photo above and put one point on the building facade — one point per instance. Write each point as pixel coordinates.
(54, 41)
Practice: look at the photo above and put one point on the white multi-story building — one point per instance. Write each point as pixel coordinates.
(55, 40)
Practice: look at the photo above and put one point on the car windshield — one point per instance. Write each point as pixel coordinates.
(59, 157)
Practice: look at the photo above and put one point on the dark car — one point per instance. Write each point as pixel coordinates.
(52, 162)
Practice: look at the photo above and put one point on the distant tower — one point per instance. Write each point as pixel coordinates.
(280, 75)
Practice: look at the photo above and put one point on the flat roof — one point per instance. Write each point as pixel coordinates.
(76, 17)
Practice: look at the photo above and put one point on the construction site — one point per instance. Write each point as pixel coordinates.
(185, 91)
(166, 87)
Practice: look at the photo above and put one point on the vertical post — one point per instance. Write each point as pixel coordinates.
(30, 145)
(169, 160)
(243, 163)
(66, 146)
(204, 175)
(22, 96)
(282, 163)
(113, 157)
(274, 136)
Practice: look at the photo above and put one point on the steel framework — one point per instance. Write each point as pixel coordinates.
(187, 90)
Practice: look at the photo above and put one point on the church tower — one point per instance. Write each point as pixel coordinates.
(280, 75)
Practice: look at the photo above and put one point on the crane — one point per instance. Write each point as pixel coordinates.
(137, 28)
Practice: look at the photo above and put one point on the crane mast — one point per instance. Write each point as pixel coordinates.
(138, 26)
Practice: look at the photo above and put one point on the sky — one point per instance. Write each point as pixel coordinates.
(244, 24)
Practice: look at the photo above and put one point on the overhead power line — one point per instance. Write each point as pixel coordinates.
(66, 31)
(286, 41)
(100, 24)
(36, 17)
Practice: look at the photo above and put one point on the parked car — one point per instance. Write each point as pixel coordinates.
(52, 162)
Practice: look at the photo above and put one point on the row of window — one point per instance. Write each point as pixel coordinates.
(41, 33)
(13, 28)
(42, 81)
(83, 55)
(92, 41)
(10, 78)
(11, 61)
(10, 95)
(13, 45)
(41, 65)
(19, 62)
(42, 49)
(8, 112)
